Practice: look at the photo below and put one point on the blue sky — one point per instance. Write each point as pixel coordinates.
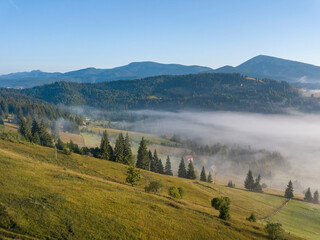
(63, 35)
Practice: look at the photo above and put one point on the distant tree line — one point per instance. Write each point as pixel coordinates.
(214, 91)
(239, 158)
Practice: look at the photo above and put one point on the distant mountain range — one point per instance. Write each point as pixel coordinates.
(133, 70)
(260, 66)
(277, 69)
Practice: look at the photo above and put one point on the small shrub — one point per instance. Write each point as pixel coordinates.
(274, 230)
(223, 205)
(174, 192)
(264, 185)
(67, 151)
(154, 186)
(252, 218)
(182, 191)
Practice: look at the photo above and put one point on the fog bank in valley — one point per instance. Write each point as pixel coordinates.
(295, 135)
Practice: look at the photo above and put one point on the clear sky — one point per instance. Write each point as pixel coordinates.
(63, 35)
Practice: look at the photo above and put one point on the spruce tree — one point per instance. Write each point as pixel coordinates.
(45, 137)
(316, 197)
(119, 149)
(128, 157)
(210, 180)
(36, 138)
(133, 176)
(20, 115)
(160, 167)
(182, 172)
(289, 190)
(29, 121)
(168, 170)
(60, 145)
(152, 166)
(105, 147)
(155, 161)
(42, 128)
(24, 130)
(249, 182)
(203, 176)
(257, 186)
(143, 156)
(308, 196)
(191, 173)
(35, 128)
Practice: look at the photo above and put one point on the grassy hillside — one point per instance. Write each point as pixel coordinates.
(78, 197)
(300, 218)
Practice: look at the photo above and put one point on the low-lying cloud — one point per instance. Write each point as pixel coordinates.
(295, 135)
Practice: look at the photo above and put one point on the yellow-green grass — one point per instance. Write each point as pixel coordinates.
(79, 197)
(135, 136)
(11, 126)
(90, 139)
(300, 218)
(76, 138)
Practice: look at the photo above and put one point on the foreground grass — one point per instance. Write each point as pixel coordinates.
(78, 197)
(301, 219)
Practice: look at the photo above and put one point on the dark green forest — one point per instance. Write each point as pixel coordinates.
(13, 102)
(207, 91)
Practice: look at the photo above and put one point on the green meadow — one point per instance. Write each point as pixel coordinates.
(80, 197)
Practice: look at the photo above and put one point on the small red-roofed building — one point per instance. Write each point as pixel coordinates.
(188, 158)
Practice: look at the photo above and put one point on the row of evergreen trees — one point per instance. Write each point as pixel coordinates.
(35, 132)
(148, 161)
(307, 196)
(184, 173)
(203, 176)
(122, 151)
(190, 173)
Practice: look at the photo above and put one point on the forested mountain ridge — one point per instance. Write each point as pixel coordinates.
(208, 91)
(13, 102)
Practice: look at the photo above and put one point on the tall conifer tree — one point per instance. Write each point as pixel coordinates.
(308, 196)
(128, 157)
(152, 167)
(289, 190)
(168, 170)
(210, 180)
(191, 173)
(143, 161)
(203, 176)
(182, 172)
(119, 149)
(249, 182)
(105, 147)
(160, 167)
(155, 161)
(24, 130)
(316, 197)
